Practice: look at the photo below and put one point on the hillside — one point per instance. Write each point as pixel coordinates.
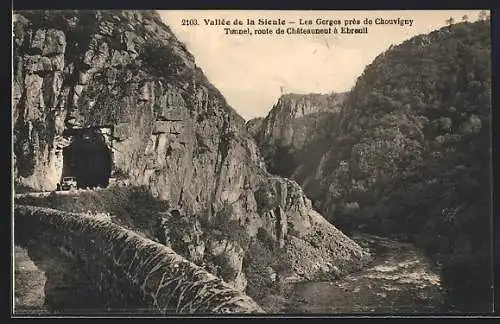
(411, 155)
(102, 95)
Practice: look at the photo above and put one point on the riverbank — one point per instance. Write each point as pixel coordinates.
(401, 279)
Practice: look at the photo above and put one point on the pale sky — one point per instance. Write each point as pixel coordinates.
(250, 70)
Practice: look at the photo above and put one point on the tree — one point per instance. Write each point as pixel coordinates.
(450, 21)
(465, 18)
(483, 15)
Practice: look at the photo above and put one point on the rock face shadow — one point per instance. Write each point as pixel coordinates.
(67, 288)
(88, 158)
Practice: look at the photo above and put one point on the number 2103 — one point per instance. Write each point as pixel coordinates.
(189, 22)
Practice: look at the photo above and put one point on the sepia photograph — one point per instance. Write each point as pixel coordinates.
(327, 162)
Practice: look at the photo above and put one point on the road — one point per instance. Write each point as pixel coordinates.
(74, 192)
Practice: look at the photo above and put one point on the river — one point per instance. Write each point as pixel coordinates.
(401, 279)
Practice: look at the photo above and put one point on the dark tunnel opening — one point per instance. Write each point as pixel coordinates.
(88, 158)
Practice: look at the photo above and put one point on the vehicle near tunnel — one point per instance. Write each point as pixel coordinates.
(88, 158)
(67, 183)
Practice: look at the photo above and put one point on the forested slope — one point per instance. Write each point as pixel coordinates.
(411, 154)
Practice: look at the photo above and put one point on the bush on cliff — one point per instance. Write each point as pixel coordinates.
(161, 61)
(265, 198)
(263, 259)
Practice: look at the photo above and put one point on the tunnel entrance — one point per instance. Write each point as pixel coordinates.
(88, 158)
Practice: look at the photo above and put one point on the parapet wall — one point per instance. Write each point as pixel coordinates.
(129, 266)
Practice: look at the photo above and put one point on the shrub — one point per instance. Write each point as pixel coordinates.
(266, 198)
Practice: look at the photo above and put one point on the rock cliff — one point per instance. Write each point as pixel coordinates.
(295, 131)
(254, 125)
(120, 82)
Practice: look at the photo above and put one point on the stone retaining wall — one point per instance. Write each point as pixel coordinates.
(130, 267)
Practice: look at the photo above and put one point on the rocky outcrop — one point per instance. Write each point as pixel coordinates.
(282, 125)
(124, 75)
(254, 125)
(295, 128)
(312, 246)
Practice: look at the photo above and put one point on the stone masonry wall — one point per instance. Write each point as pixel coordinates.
(129, 266)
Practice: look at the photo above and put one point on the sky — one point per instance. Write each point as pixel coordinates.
(253, 71)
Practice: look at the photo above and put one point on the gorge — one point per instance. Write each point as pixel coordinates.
(372, 200)
(406, 154)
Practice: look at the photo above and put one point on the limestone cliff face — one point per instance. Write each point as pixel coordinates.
(295, 128)
(284, 125)
(125, 74)
(254, 125)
